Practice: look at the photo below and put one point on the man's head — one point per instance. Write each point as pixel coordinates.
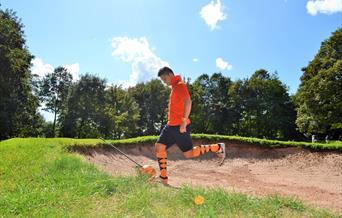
(166, 74)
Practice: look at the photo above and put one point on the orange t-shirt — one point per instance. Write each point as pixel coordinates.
(179, 93)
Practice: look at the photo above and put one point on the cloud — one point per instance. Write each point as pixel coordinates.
(195, 60)
(212, 13)
(41, 69)
(223, 65)
(74, 69)
(144, 62)
(323, 6)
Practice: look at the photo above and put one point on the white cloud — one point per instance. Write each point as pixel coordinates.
(223, 65)
(324, 6)
(195, 60)
(74, 69)
(39, 68)
(212, 13)
(145, 63)
(126, 83)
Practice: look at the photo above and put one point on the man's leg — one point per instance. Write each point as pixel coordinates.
(161, 155)
(219, 149)
(202, 149)
(184, 142)
(163, 143)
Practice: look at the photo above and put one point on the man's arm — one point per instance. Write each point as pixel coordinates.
(187, 110)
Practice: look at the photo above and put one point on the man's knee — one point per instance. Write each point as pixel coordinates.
(188, 154)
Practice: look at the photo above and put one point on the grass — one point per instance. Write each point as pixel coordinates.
(333, 145)
(38, 178)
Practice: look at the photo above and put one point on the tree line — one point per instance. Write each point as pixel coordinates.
(258, 106)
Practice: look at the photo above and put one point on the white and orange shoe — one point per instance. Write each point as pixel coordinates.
(221, 153)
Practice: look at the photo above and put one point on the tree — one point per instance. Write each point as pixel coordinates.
(18, 105)
(48, 129)
(211, 112)
(267, 109)
(220, 116)
(200, 113)
(152, 98)
(122, 113)
(236, 103)
(84, 116)
(319, 96)
(53, 92)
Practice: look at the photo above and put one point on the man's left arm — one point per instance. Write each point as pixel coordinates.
(187, 110)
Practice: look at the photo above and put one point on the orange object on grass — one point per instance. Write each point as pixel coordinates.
(149, 170)
(199, 200)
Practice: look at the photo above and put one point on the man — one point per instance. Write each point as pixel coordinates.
(178, 128)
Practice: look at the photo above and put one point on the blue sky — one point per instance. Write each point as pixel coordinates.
(127, 41)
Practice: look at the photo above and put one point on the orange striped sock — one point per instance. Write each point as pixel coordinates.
(162, 161)
(202, 149)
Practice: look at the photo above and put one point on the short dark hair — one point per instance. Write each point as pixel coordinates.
(164, 71)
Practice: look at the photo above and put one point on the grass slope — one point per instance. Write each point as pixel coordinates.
(38, 178)
(334, 145)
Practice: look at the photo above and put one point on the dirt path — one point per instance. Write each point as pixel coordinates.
(314, 177)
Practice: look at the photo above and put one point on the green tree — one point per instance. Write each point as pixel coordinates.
(48, 129)
(122, 114)
(220, 116)
(319, 95)
(152, 98)
(53, 92)
(211, 112)
(200, 99)
(267, 109)
(18, 105)
(84, 116)
(236, 103)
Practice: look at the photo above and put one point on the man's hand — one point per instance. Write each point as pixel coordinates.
(182, 128)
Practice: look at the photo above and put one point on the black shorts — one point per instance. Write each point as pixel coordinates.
(170, 135)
